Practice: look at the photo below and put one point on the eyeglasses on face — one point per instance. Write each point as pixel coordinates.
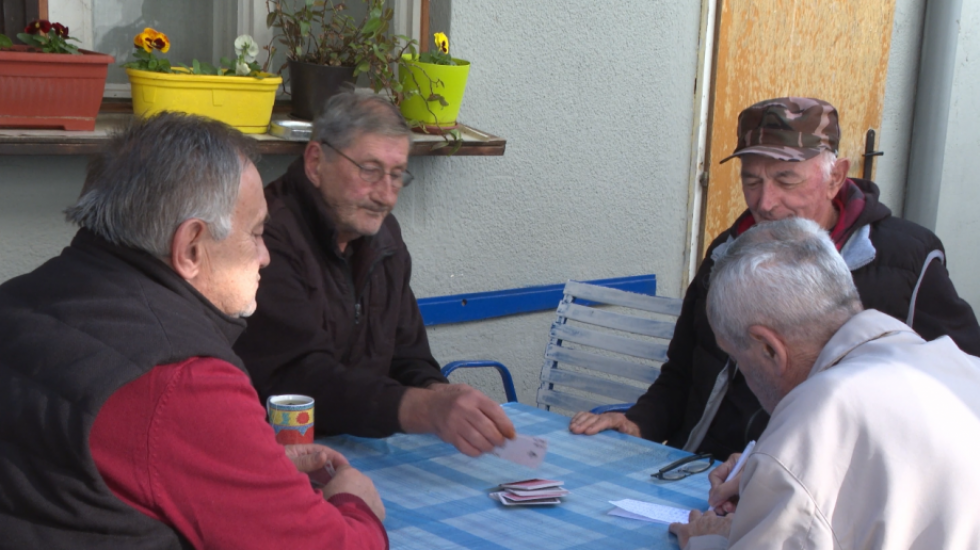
(689, 465)
(374, 174)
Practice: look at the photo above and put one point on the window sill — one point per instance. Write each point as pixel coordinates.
(116, 114)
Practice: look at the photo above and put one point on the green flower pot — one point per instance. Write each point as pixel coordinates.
(448, 81)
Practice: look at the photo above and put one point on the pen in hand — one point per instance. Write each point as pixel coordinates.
(740, 462)
(738, 465)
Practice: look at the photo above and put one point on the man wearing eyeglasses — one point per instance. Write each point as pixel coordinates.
(336, 318)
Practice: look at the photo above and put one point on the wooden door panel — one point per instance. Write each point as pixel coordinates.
(836, 50)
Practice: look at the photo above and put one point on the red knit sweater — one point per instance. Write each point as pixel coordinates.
(188, 444)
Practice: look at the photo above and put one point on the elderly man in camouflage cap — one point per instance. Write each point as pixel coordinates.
(788, 150)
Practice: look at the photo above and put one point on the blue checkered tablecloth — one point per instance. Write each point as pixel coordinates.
(436, 497)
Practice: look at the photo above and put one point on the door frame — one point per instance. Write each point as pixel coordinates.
(698, 170)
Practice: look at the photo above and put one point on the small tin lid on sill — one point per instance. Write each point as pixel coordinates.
(291, 130)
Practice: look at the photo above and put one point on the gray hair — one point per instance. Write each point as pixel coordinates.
(785, 275)
(160, 172)
(827, 160)
(349, 114)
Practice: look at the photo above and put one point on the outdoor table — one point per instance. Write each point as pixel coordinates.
(436, 497)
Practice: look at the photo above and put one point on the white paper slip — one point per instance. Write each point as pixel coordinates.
(648, 511)
(524, 450)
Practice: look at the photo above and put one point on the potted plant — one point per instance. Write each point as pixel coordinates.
(433, 87)
(325, 47)
(49, 82)
(237, 92)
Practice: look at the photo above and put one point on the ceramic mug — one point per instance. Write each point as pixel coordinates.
(291, 416)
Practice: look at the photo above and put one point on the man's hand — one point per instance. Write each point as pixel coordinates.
(310, 459)
(348, 480)
(723, 497)
(591, 424)
(458, 414)
(701, 524)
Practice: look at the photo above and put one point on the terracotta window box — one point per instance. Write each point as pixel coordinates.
(51, 90)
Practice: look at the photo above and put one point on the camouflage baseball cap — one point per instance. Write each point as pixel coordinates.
(787, 128)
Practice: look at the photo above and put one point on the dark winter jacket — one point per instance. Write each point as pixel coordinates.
(886, 256)
(344, 330)
(76, 330)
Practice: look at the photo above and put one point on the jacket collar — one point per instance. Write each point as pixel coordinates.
(155, 269)
(315, 212)
(864, 327)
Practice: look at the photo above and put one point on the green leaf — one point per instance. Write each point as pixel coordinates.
(309, 3)
(197, 66)
(371, 27)
(225, 62)
(362, 67)
(270, 19)
(5, 42)
(152, 64)
(28, 39)
(304, 28)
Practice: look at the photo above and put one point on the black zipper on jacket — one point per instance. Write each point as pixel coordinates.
(350, 281)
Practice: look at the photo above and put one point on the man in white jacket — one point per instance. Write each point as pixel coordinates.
(875, 432)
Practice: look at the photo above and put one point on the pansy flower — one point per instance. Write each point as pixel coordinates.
(38, 26)
(60, 29)
(442, 42)
(151, 40)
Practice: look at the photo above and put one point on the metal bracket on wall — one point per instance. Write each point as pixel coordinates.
(870, 154)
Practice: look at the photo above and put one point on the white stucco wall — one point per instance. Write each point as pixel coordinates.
(596, 105)
(896, 125)
(957, 221)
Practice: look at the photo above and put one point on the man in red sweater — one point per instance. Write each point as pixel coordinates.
(128, 420)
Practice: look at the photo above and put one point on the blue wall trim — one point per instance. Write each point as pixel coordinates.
(460, 308)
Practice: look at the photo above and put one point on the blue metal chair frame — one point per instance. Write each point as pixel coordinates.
(508, 382)
(505, 377)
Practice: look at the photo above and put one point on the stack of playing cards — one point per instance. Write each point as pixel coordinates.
(530, 492)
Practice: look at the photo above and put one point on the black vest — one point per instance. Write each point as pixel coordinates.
(73, 332)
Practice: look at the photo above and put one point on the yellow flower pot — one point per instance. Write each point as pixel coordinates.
(449, 81)
(241, 101)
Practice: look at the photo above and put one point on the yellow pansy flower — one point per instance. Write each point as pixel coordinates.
(140, 42)
(442, 42)
(151, 39)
